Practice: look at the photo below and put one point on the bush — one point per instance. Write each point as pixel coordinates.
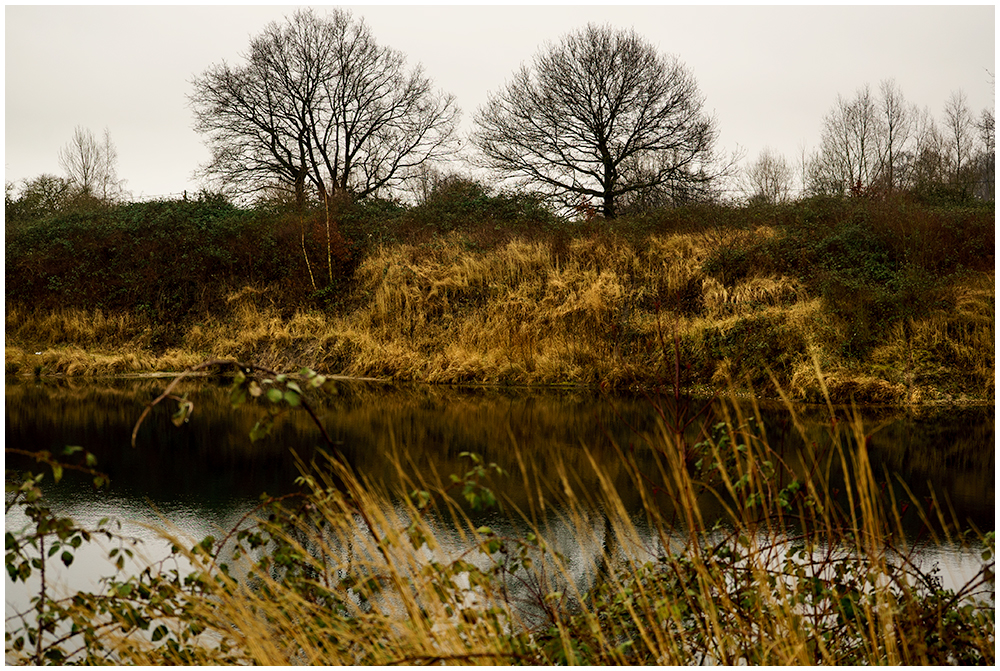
(872, 262)
(169, 257)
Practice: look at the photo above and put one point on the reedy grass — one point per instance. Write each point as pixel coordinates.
(801, 569)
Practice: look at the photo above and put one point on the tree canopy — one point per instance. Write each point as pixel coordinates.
(319, 104)
(599, 115)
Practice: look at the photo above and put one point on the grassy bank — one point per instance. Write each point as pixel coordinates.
(895, 299)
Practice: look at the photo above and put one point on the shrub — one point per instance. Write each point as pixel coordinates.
(872, 262)
(171, 257)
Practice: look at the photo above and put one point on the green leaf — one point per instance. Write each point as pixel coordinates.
(274, 395)
(67, 557)
(293, 386)
(292, 398)
(261, 429)
(184, 412)
(421, 498)
(57, 472)
(159, 632)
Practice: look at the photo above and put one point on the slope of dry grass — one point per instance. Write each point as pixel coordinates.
(595, 309)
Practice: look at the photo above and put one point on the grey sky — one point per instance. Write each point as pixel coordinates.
(768, 73)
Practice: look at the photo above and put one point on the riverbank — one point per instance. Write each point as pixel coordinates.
(739, 298)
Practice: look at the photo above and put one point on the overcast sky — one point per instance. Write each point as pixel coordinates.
(769, 74)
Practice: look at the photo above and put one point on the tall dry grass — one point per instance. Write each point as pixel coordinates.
(592, 310)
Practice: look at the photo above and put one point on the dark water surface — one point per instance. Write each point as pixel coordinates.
(204, 476)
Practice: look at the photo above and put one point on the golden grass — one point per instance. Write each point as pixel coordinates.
(72, 325)
(596, 312)
(74, 361)
(952, 348)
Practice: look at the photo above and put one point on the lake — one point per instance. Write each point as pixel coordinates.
(204, 476)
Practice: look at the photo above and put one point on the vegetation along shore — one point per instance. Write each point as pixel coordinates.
(893, 297)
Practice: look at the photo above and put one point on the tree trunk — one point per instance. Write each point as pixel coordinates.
(300, 191)
(608, 209)
(325, 195)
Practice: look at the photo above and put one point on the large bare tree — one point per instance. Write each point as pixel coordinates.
(319, 105)
(599, 115)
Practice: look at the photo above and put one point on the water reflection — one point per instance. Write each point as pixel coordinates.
(204, 476)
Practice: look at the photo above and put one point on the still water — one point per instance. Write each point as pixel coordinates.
(203, 477)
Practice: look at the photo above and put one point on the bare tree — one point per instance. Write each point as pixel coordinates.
(987, 132)
(92, 166)
(599, 115)
(898, 121)
(852, 147)
(986, 187)
(960, 130)
(930, 165)
(768, 179)
(320, 104)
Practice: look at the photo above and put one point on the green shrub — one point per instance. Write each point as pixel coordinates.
(173, 257)
(872, 262)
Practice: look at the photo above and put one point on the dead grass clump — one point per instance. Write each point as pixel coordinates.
(766, 292)
(250, 294)
(18, 361)
(950, 348)
(586, 300)
(844, 386)
(715, 297)
(76, 326)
